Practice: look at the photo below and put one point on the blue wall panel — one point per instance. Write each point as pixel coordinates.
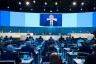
(0, 18)
(94, 19)
(17, 19)
(5, 18)
(7, 29)
(69, 20)
(32, 20)
(84, 19)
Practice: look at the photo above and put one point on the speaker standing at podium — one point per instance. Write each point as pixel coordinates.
(51, 21)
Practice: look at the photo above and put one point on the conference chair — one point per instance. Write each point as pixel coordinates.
(82, 55)
(7, 62)
(24, 55)
(45, 63)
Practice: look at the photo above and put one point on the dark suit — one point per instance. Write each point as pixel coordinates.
(85, 49)
(28, 49)
(61, 40)
(10, 56)
(45, 59)
(91, 59)
(47, 23)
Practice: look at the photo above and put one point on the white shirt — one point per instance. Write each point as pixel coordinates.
(51, 23)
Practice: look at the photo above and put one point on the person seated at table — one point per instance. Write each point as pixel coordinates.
(6, 43)
(10, 54)
(27, 39)
(1, 47)
(73, 40)
(28, 48)
(36, 42)
(85, 48)
(68, 41)
(49, 49)
(46, 58)
(22, 44)
(91, 59)
(1, 38)
(44, 33)
(40, 39)
(31, 39)
(61, 40)
(79, 42)
(52, 49)
(92, 41)
(28, 33)
(51, 40)
(55, 59)
(13, 41)
(6, 38)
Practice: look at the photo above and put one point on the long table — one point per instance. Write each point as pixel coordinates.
(29, 61)
(79, 61)
(23, 36)
(82, 35)
(46, 37)
(14, 35)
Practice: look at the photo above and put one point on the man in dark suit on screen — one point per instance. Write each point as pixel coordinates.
(51, 21)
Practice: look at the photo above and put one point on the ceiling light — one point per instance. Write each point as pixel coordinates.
(70, 9)
(27, 3)
(74, 3)
(20, 8)
(81, 9)
(57, 10)
(45, 3)
(8, 7)
(50, 10)
(19, 3)
(44, 9)
(34, 1)
(82, 3)
(56, 3)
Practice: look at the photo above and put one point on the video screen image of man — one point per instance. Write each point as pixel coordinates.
(51, 21)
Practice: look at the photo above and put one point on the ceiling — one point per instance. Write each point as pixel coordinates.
(49, 6)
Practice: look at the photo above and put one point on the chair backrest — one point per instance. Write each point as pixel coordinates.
(82, 54)
(15, 45)
(24, 55)
(45, 62)
(82, 57)
(75, 49)
(7, 62)
(70, 45)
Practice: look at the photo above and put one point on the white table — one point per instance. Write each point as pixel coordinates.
(65, 52)
(79, 61)
(70, 56)
(82, 35)
(29, 61)
(46, 37)
(14, 35)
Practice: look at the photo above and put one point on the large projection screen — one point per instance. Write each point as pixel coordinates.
(25, 19)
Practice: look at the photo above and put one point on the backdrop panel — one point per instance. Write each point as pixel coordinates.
(94, 19)
(32, 19)
(5, 18)
(17, 19)
(69, 20)
(84, 19)
(0, 18)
